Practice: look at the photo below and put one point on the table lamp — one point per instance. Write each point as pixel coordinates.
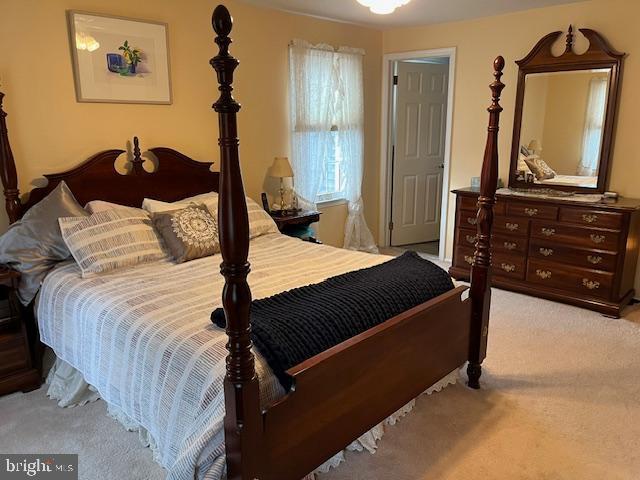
(534, 146)
(281, 169)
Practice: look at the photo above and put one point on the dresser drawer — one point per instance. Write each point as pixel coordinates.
(532, 210)
(471, 204)
(13, 355)
(464, 257)
(593, 218)
(466, 237)
(467, 219)
(548, 250)
(573, 279)
(511, 225)
(509, 244)
(508, 265)
(574, 235)
(502, 264)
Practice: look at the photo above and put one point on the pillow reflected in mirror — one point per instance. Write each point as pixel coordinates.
(539, 168)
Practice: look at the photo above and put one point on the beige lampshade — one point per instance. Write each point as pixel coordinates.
(534, 145)
(281, 168)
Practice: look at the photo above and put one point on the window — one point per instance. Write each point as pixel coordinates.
(594, 126)
(332, 186)
(326, 96)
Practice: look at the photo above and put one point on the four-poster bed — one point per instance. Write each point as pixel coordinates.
(344, 391)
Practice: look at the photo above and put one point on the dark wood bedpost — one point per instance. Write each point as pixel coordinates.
(242, 400)
(8, 172)
(480, 270)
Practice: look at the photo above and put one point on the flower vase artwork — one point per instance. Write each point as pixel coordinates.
(126, 63)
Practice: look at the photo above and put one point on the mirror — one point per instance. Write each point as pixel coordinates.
(564, 117)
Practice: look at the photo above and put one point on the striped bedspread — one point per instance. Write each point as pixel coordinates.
(142, 337)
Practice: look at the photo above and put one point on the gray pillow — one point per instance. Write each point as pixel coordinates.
(188, 233)
(34, 244)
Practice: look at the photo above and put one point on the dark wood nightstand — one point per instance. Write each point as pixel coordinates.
(16, 365)
(296, 225)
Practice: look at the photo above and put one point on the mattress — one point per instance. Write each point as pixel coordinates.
(142, 337)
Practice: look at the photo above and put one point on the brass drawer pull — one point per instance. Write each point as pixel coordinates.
(597, 238)
(468, 259)
(594, 259)
(508, 267)
(543, 274)
(532, 212)
(472, 238)
(512, 226)
(589, 218)
(548, 232)
(547, 252)
(472, 221)
(510, 245)
(590, 284)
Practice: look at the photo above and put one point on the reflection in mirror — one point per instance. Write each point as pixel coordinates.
(563, 120)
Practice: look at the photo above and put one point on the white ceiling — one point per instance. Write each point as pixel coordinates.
(417, 12)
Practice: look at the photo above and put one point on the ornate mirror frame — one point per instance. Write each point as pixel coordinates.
(599, 55)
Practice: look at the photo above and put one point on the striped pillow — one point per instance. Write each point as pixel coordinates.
(111, 240)
(260, 222)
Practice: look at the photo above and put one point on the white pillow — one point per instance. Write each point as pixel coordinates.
(97, 206)
(522, 165)
(260, 222)
(210, 200)
(110, 240)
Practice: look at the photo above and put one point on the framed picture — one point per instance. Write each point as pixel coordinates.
(119, 60)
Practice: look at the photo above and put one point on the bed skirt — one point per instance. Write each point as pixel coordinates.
(68, 387)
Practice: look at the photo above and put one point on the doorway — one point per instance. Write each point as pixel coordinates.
(415, 168)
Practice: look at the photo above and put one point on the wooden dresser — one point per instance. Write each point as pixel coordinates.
(580, 253)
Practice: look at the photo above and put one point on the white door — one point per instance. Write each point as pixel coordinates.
(421, 112)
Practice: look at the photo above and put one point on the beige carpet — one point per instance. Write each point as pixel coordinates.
(561, 400)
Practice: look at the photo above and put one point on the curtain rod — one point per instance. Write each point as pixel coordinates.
(325, 47)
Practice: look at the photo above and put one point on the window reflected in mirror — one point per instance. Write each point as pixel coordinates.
(563, 121)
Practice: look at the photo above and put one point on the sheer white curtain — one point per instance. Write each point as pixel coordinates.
(327, 120)
(594, 124)
(350, 130)
(312, 99)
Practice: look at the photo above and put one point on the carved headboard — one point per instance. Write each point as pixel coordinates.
(176, 176)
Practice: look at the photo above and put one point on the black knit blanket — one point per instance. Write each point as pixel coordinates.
(295, 325)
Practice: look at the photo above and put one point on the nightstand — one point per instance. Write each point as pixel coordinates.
(16, 366)
(297, 225)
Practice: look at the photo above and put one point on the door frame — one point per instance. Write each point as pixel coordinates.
(384, 234)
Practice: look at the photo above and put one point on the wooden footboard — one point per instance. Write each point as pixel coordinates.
(347, 390)
(343, 392)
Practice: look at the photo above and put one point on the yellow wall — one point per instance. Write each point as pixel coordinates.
(51, 132)
(513, 36)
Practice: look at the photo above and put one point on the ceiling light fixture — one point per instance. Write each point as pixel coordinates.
(383, 7)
